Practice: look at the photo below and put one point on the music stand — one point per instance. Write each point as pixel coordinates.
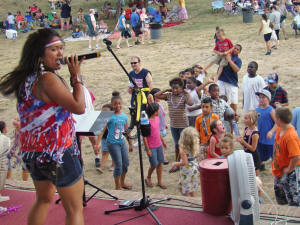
(90, 123)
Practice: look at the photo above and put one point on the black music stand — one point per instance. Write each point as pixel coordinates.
(90, 123)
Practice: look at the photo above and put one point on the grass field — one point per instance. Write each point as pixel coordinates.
(180, 47)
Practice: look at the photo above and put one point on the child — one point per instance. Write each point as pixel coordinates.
(250, 138)
(218, 132)
(266, 127)
(199, 74)
(15, 153)
(286, 160)
(153, 145)
(102, 138)
(188, 73)
(177, 98)
(163, 125)
(219, 105)
(4, 148)
(279, 95)
(226, 145)
(182, 77)
(203, 125)
(195, 110)
(251, 84)
(215, 36)
(223, 47)
(116, 125)
(189, 179)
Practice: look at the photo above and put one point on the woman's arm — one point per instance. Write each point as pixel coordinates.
(162, 95)
(253, 146)
(50, 88)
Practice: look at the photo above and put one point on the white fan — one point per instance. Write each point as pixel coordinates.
(245, 202)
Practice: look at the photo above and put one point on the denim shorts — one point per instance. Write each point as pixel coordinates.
(176, 134)
(104, 147)
(66, 174)
(163, 133)
(157, 156)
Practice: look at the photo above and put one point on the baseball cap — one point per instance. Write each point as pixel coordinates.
(272, 78)
(265, 93)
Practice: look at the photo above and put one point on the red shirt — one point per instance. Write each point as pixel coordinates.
(33, 9)
(223, 46)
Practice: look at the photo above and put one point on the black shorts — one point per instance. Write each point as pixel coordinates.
(277, 34)
(137, 31)
(267, 37)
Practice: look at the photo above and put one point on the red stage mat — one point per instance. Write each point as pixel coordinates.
(94, 213)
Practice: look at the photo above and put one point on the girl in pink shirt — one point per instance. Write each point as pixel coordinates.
(154, 145)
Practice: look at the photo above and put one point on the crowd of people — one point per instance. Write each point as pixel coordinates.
(202, 112)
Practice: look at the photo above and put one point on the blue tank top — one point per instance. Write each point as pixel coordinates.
(265, 123)
(140, 80)
(121, 26)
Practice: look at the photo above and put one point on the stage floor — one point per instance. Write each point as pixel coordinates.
(94, 213)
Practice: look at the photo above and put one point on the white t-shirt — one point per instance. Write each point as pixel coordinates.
(11, 19)
(251, 85)
(297, 19)
(200, 77)
(197, 101)
(4, 148)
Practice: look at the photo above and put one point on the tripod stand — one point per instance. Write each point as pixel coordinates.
(90, 127)
(139, 98)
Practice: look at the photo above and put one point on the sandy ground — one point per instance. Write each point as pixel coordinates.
(179, 48)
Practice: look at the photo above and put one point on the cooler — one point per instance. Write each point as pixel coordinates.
(215, 186)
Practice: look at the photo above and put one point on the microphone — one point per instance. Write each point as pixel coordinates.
(107, 42)
(85, 56)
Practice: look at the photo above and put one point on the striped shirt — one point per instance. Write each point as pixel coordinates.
(177, 113)
(278, 95)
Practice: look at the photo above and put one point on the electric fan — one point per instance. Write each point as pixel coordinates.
(244, 195)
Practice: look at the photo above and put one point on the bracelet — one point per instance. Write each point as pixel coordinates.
(76, 82)
(76, 79)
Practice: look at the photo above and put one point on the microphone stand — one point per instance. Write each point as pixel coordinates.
(145, 202)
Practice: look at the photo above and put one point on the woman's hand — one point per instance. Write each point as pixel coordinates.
(74, 65)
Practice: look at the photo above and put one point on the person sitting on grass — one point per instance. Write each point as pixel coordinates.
(222, 48)
(279, 95)
(189, 177)
(286, 160)
(154, 146)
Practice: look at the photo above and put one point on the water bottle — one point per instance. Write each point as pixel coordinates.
(235, 128)
(144, 118)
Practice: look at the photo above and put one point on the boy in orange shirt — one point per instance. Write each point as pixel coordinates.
(286, 160)
(202, 124)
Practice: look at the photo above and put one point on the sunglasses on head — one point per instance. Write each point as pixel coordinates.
(133, 63)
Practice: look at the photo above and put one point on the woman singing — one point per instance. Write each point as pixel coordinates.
(45, 106)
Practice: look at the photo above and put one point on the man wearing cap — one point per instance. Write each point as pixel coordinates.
(266, 126)
(279, 96)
